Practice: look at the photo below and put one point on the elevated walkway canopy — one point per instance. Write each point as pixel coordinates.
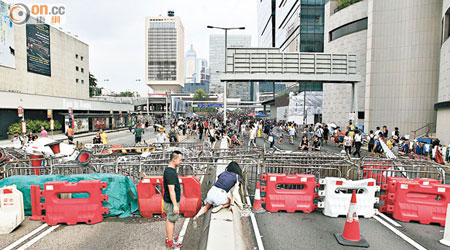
(271, 65)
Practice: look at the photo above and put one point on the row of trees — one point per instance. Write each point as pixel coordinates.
(33, 126)
(94, 90)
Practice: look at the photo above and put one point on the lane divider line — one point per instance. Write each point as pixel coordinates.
(186, 222)
(389, 219)
(256, 229)
(24, 238)
(183, 231)
(400, 234)
(34, 240)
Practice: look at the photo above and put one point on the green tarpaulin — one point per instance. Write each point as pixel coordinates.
(121, 191)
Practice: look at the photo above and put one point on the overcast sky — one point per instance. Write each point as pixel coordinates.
(115, 31)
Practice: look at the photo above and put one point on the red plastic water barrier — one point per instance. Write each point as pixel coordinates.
(36, 212)
(150, 193)
(374, 170)
(151, 190)
(389, 197)
(289, 200)
(418, 202)
(191, 198)
(72, 211)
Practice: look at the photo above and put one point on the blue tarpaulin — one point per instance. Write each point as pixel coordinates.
(121, 191)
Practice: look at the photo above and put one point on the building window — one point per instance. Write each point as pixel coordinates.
(76, 56)
(81, 58)
(82, 70)
(76, 68)
(361, 115)
(76, 80)
(446, 26)
(348, 28)
(82, 81)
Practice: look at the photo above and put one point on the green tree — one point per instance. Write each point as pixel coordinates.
(125, 94)
(93, 89)
(200, 95)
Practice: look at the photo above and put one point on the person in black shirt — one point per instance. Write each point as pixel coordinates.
(97, 139)
(172, 196)
(326, 134)
(304, 144)
(316, 144)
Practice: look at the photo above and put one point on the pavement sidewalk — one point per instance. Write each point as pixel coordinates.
(63, 137)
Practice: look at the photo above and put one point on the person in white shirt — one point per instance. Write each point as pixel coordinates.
(243, 129)
(348, 143)
(17, 140)
(358, 143)
(161, 137)
(252, 136)
(291, 134)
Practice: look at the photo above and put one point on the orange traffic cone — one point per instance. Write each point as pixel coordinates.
(351, 236)
(257, 208)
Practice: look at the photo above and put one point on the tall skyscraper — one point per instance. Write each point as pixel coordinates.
(217, 56)
(299, 25)
(190, 65)
(164, 53)
(266, 23)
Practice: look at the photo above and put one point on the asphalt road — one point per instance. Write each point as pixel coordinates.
(119, 233)
(279, 230)
(121, 137)
(315, 231)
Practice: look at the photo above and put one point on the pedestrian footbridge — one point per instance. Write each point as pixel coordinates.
(271, 65)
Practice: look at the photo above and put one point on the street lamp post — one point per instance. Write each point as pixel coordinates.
(226, 29)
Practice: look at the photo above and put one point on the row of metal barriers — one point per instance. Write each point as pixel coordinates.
(422, 199)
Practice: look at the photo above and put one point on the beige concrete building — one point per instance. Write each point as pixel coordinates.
(164, 53)
(69, 67)
(443, 104)
(398, 48)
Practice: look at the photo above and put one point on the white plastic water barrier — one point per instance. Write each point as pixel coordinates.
(337, 195)
(11, 209)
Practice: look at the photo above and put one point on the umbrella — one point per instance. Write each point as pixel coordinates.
(251, 114)
(332, 125)
(260, 115)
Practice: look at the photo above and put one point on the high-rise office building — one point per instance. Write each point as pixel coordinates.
(164, 53)
(217, 56)
(190, 65)
(397, 44)
(299, 25)
(266, 23)
(443, 102)
(201, 71)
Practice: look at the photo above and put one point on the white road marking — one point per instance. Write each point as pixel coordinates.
(24, 238)
(34, 240)
(400, 234)
(183, 231)
(186, 221)
(388, 219)
(256, 229)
